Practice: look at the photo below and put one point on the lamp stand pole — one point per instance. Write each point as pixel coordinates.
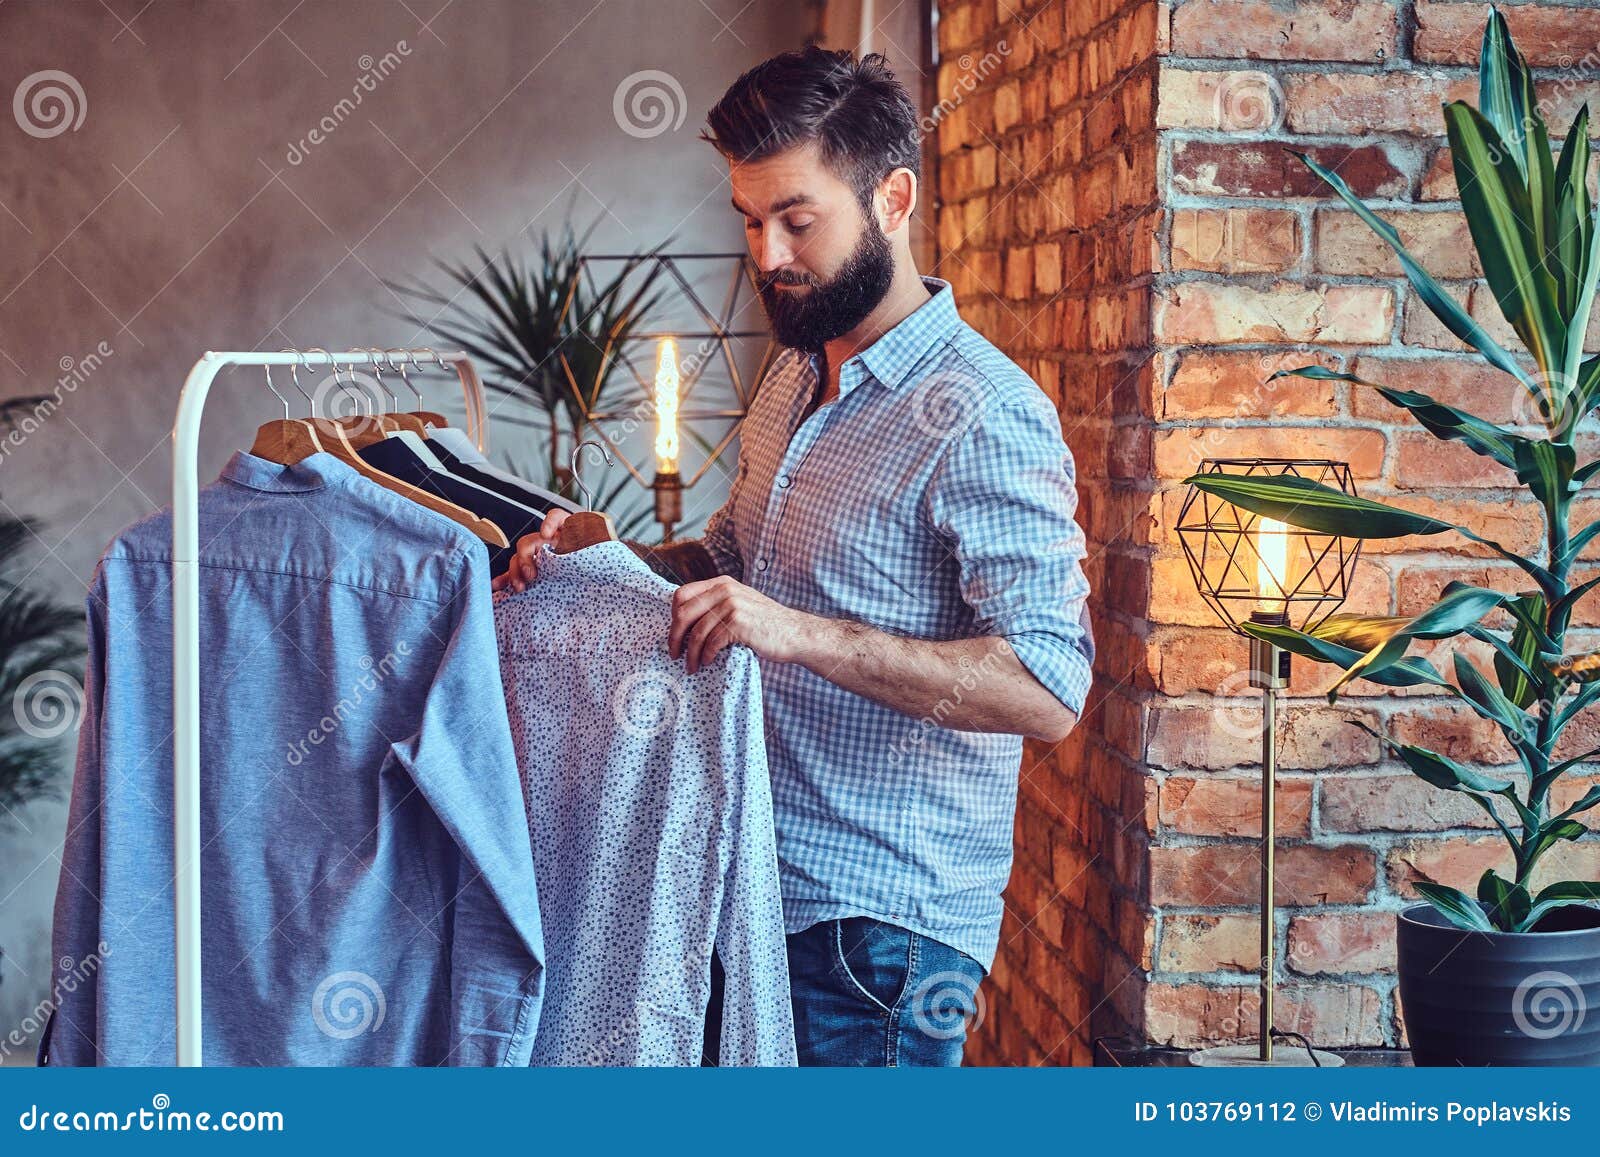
(1269, 670)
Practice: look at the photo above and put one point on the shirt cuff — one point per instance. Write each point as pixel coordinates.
(1060, 666)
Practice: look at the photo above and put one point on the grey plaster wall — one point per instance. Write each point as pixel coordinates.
(184, 205)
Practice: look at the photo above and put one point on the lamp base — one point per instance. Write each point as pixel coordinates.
(1284, 1056)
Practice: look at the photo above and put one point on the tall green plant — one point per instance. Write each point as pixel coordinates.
(41, 651)
(1533, 224)
(515, 318)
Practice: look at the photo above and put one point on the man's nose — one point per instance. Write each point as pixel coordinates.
(773, 254)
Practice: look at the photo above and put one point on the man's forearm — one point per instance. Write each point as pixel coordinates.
(963, 684)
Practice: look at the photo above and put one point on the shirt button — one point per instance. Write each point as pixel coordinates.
(761, 564)
(783, 481)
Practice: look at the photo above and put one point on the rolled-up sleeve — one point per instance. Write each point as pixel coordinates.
(1004, 496)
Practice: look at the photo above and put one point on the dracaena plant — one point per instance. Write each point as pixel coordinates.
(1533, 225)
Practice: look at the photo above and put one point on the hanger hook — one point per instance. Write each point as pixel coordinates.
(312, 398)
(405, 378)
(377, 373)
(294, 372)
(275, 393)
(576, 463)
(350, 388)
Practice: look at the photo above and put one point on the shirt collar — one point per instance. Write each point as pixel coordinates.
(600, 562)
(892, 356)
(310, 473)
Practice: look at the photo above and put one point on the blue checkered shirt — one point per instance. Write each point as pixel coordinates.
(932, 499)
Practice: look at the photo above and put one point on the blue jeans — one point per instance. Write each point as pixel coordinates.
(870, 993)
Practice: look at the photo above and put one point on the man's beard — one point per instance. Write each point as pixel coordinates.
(809, 321)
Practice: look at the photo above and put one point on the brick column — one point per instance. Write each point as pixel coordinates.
(1117, 210)
(1047, 229)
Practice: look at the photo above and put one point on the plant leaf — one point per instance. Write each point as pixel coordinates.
(1446, 308)
(1439, 770)
(1494, 197)
(1311, 505)
(1508, 903)
(1586, 801)
(1459, 607)
(1505, 87)
(1548, 836)
(1456, 906)
(1559, 896)
(1490, 701)
(1406, 673)
(1442, 421)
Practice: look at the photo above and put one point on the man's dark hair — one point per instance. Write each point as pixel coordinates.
(856, 111)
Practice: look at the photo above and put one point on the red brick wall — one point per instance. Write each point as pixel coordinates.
(1151, 266)
(1047, 222)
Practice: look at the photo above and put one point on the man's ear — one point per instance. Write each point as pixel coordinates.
(896, 199)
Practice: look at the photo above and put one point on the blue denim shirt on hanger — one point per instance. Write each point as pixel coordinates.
(367, 881)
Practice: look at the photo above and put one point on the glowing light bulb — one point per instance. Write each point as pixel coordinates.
(666, 397)
(1272, 564)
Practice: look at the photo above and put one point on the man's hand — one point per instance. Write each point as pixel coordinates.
(524, 567)
(709, 615)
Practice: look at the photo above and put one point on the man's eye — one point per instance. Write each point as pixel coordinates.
(751, 224)
(801, 226)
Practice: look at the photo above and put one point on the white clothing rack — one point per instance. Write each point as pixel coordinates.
(186, 630)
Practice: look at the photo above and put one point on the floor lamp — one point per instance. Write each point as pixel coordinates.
(1258, 570)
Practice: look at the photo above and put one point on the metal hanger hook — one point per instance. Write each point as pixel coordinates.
(295, 367)
(416, 364)
(319, 350)
(350, 390)
(377, 374)
(275, 393)
(575, 463)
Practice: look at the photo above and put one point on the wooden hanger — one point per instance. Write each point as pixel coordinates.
(585, 527)
(341, 449)
(391, 420)
(285, 446)
(284, 440)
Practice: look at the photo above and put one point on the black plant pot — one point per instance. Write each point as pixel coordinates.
(1501, 998)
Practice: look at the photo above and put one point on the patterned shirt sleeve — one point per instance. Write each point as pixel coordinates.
(1004, 497)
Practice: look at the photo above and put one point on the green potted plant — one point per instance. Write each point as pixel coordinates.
(1505, 976)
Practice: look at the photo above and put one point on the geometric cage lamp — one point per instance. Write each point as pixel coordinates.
(1250, 568)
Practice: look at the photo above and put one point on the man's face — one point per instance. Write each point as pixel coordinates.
(824, 262)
